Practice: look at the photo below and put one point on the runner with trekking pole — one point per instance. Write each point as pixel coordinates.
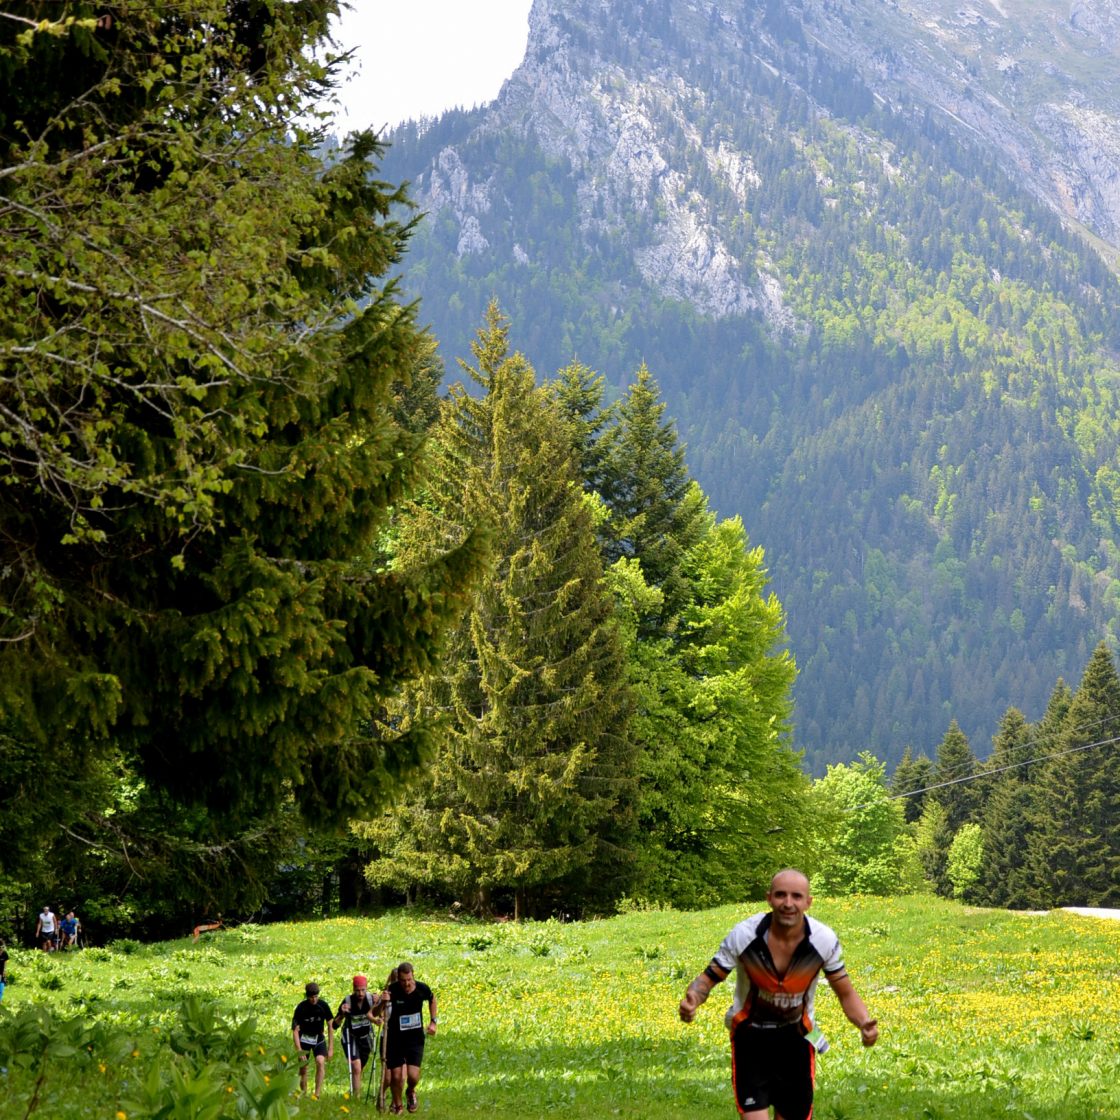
(356, 1015)
(381, 1018)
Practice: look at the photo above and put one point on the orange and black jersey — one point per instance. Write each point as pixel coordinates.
(762, 996)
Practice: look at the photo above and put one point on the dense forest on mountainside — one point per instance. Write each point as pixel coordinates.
(896, 365)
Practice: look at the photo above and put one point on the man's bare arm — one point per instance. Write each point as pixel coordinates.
(699, 990)
(854, 1008)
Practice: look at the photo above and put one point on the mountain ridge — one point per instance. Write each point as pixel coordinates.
(883, 351)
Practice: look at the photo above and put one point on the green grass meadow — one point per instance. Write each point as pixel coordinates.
(982, 1013)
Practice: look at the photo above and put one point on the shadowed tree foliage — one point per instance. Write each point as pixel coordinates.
(205, 423)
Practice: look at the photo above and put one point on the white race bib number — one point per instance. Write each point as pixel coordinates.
(411, 1022)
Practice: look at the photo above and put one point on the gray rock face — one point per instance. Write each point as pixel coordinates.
(1038, 83)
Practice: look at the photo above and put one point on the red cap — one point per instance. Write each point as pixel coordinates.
(360, 982)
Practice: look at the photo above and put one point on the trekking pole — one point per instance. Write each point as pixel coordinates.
(373, 1068)
(382, 1042)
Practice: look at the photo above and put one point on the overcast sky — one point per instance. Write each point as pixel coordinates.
(441, 54)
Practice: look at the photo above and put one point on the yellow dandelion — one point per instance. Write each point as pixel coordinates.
(260, 1049)
(229, 1088)
(101, 1066)
(121, 1115)
(343, 1108)
(284, 1057)
(136, 1053)
(267, 1079)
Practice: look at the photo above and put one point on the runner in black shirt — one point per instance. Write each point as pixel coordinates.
(311, 1017)
(406, 1033)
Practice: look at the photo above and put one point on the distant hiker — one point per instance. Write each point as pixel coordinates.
(3, 968)
(778, 957)
(404, 1050)
(46, 929)
(356, 1016)
(70, 927)
(310, 1019)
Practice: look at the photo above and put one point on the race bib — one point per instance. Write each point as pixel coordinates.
(410, 1022)
(314, 1040)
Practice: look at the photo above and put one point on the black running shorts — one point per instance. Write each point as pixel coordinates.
(773, 1068)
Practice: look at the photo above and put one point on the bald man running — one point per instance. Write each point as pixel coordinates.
(778, 957)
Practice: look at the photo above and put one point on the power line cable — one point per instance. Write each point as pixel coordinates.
(989, 773)
(1030, 744)
(997, 770)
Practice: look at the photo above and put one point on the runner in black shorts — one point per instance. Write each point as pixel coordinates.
(356, 1017)
(777, 958)
(405, 1049)
(309, 1020)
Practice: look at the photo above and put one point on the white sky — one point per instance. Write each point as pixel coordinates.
(441, 54)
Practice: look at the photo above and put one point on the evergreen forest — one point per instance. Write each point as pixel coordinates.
(922, 435)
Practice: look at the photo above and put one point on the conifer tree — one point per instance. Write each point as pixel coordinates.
(655, 516)
(579, 391)
(1007, 817)
(911, 777)
(532, 795)
(933, 838)
(953, 768)
(1079, 795)
(197, 439)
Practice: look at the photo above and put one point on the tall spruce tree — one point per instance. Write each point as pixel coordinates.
(655, 515)
(198, 447)
(953, 771)
(531, 799)
(911, 778)
(579, 391)
(1008, 816)
(1078, 837)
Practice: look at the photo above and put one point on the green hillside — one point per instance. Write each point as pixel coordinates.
(916, 420)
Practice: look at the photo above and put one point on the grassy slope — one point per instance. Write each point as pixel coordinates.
(983, 1013)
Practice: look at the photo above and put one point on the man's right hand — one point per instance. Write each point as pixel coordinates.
(688, 1007)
